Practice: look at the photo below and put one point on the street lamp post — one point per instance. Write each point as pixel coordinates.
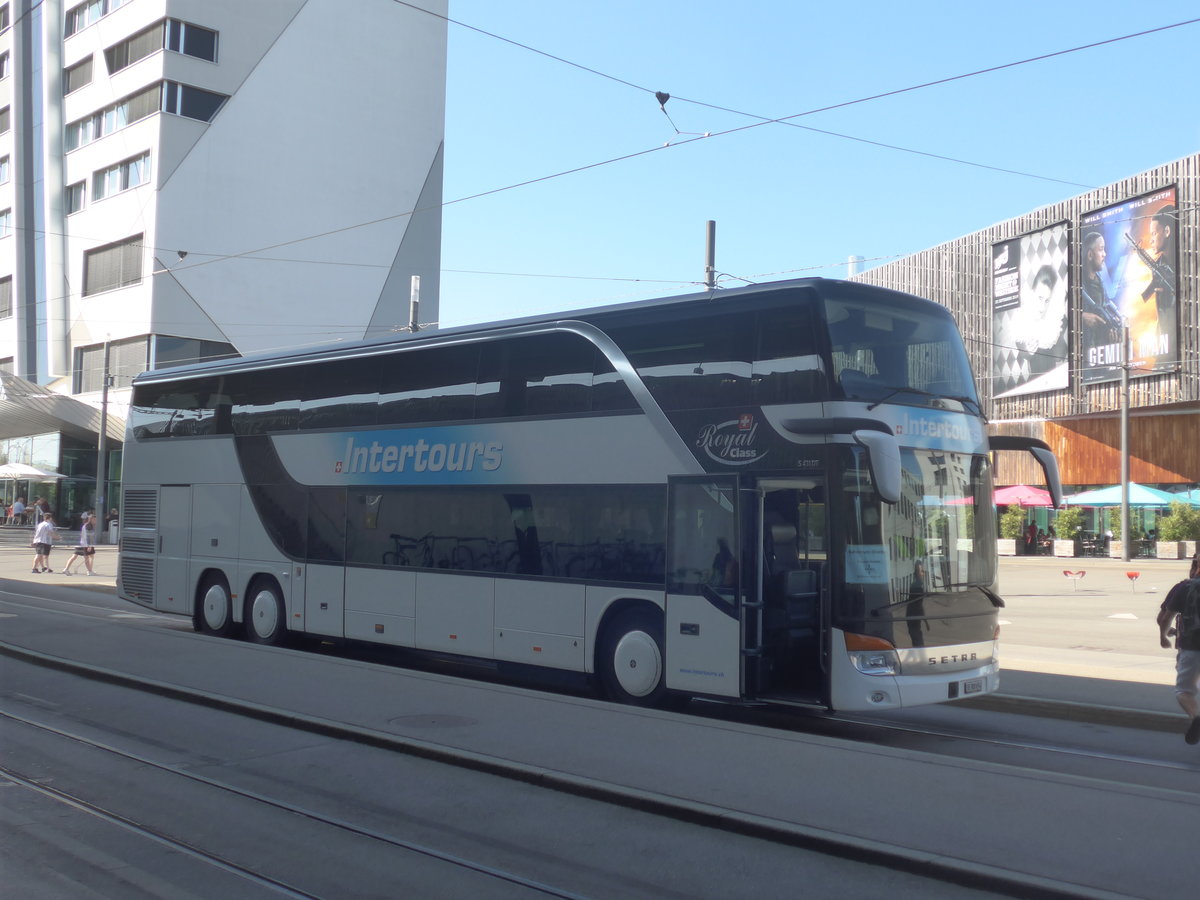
(1125, 442)
(102, 449)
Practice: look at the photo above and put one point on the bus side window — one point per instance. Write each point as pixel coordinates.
(341, 393)
(549, 374)
(694, 363)
(264, 402)
(788, 367)
(434, 385)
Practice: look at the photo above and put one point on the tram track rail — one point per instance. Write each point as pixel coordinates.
(224, 862)
(941, 867)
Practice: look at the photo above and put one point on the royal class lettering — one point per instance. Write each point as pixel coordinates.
(731, 442)
(420, 456)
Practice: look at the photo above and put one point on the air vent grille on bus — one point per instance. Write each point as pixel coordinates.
(137, 545)
(140, 509)
(137, 578)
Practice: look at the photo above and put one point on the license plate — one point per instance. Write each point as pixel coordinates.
(974, 686)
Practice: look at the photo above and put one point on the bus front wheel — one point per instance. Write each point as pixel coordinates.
(265, 618)
(631, 659)
(216, 606)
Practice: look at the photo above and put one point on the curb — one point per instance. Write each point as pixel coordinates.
(1074, 711)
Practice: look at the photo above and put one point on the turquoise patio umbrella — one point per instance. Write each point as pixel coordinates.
(1139, 495)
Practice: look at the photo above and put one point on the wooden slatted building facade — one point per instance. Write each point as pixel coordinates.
(1081, 422)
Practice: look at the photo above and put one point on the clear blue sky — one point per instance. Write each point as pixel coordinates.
(787, 201)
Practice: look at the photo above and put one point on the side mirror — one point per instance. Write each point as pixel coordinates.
(883, 459)
(874, 436)
(1041, 452)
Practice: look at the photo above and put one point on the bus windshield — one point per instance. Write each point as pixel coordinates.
(904, 355)
(936, 542)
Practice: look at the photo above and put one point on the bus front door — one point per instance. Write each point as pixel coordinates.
(703, 602)
(792, 581)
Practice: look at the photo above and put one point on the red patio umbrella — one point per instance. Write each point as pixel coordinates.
(1022, 495)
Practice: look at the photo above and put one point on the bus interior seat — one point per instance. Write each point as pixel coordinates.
(854, 377)
(795, 611)
(801, 593)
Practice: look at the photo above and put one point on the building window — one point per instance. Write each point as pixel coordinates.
(5, 222)
(81, 16)
(4, 170)
(74, 197)
(5, 60)
(126, 359)
(176, 351)
(192, 102)
(184, 37)
(77, 76)
(121, 177)
(132, 49)
(97, 125)
(5, 116)
(6, 297)
(4, 20)
(113, 266)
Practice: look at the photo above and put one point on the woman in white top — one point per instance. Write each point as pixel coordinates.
(86, 548)
(43, 536)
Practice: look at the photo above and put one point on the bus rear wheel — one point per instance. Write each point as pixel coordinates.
(215, 606)
(631, 659)
(265, 617)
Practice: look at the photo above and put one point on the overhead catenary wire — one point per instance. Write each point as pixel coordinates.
(687, 139)
(662, 97)
(255, 254)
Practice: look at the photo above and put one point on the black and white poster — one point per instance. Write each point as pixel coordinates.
(1030, 291)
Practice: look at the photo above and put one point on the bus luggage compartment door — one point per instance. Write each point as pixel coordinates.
(171, 593)
(703, 631)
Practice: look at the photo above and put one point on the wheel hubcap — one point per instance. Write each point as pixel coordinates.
(264, 614)
(216, 607)
(637, 663)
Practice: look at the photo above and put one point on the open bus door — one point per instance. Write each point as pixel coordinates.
(791, 522)
(704, 586)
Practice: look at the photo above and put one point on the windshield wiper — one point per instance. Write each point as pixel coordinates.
(912, 390)
(995, 598)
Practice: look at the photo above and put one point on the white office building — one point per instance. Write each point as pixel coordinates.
(186, 179)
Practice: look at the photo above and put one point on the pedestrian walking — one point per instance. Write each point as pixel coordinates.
(86, 548)
(1179, 617)
(43, 536)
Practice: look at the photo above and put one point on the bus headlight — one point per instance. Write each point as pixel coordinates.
(872, 655)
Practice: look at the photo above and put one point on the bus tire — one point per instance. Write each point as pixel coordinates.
(215, 606)
(265, 616)
(631, 659)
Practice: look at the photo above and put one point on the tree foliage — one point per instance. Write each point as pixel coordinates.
(1182, 523)
(1012, 522)
(1068, 522)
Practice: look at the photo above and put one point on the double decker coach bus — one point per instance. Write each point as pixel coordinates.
(780, 493)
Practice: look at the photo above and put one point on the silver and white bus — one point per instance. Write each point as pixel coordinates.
(780, 493)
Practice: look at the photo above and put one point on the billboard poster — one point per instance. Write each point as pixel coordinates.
(1030, 280)
(1128, 260)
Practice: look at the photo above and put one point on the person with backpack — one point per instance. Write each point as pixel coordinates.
(1179, 616)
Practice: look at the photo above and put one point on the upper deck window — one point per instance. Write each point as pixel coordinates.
(727, 358)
